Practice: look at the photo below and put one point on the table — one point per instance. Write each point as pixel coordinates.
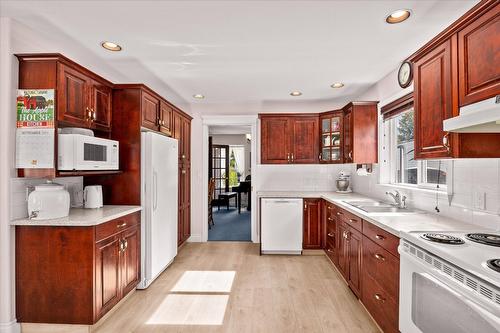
(227, 197)
(244, 187)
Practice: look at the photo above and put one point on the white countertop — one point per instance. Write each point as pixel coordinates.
(80, 217)
(395, 223)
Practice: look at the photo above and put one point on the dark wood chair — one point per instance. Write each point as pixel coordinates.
(211, 196)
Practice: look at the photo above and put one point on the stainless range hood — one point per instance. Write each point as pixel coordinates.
(480, 117)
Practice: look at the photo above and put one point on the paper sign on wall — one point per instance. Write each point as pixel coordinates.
(35, 129)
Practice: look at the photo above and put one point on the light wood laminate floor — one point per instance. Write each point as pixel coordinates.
(269, 294)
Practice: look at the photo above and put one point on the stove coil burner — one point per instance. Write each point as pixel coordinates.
(487, 239)
(494, 264)
(442, 238)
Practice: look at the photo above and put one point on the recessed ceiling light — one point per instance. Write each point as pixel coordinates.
(295, 93)
(398, 16)
(111, 46)
(198, 96)
(337, 85)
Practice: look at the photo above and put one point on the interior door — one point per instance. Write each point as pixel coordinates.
(220, 168)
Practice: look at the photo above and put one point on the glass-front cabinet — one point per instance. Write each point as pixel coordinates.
(331, 137)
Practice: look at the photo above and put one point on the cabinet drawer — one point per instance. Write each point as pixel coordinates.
(351, 219)
(112, 227)
(383, 238)
(331, 209)
(331, 250)
(382, 266)
(381, 306)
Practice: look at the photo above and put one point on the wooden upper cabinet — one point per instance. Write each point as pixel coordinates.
(166, 113)
(186, 140)
(150, 111)
(361, 132)
(331, 137)
(73, 97)
(83, 101)
(275, 139)
(305, 133)
(479, 58)
(313, 226)
(434, 74)
(101, 97)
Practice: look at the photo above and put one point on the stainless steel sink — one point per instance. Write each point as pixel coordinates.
(378, 207)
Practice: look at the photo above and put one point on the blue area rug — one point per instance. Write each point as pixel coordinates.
(230, 226)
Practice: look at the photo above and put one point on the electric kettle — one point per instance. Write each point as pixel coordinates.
(92, 196)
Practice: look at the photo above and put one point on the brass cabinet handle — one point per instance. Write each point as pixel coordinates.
(89, 113)
(345, 234)
(339, 213)
(379, 298)
(319, 157)
(292, 157)
(328, 207)
(329, 250)
(379, 257)
(125, 244)
(331, 234)
(353, 220)
(122, 245)
(93, 114)
(183, 156)
(183, 171)
(124, 224)
(288, 157)
(330, 219)
(380, 237)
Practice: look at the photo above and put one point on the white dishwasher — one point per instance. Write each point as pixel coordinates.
(281, 225)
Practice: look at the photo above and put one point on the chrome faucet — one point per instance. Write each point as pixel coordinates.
(399, 199)
(34, 214)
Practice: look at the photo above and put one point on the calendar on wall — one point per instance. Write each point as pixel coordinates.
(35, 132)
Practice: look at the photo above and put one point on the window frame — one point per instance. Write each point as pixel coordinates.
(391, 144)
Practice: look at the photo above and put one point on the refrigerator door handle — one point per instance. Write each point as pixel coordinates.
(155, 190)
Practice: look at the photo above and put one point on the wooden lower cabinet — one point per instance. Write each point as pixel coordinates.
(312, 233)
(367, 258)
(85, 271)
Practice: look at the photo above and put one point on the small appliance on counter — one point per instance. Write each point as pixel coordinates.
(343, 182)
(48, 201)
(92, 196)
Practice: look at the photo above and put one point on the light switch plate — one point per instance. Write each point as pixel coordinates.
(480, 200)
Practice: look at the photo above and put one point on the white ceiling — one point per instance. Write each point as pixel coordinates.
(245, 56)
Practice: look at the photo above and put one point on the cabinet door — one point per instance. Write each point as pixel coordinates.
(130, 259)
(312, 233)
(73, 105)
(166, 113)
(433, 100)
(348, 138)
(150, 108)
(343, 249)
(275, 140)
(305, 140)
(107, 274)
(354, 244)
(479, 58)
(101, 97)
(332, 140)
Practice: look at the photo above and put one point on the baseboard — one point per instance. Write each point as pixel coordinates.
(194, 239)
(12, 327)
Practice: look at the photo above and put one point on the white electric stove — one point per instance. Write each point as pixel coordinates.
(449, 282)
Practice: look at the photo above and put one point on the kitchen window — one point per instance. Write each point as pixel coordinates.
(399, 143)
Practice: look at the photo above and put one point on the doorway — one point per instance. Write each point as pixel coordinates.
(229, 173)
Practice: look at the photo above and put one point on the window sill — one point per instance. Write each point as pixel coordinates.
(415, 189)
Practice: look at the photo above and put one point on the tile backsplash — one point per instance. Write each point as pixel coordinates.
(475, 199)
(19, 188)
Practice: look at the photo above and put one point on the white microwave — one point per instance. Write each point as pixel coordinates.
(83, 152)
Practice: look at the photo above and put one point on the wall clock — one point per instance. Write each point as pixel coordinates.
(405, 74)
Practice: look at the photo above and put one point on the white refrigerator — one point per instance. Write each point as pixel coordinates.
(159, 196)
